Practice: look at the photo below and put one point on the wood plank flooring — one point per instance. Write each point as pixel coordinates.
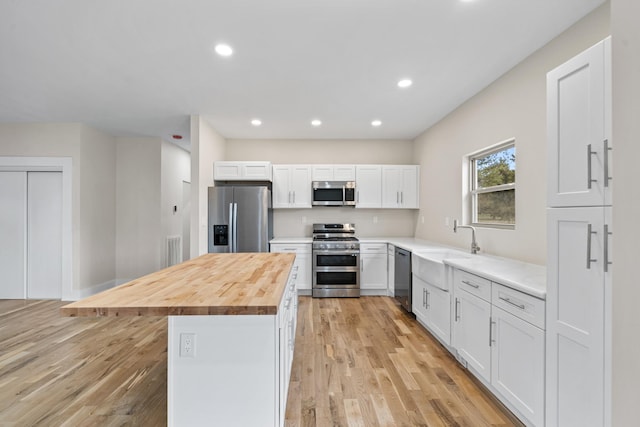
(358, 362)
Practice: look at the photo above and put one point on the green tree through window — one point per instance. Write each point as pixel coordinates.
(493, 187)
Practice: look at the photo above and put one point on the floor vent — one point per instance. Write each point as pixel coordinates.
(174, 250)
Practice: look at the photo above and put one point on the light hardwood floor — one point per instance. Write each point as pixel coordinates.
(358, 362)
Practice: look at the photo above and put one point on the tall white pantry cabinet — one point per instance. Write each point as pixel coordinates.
(578, 358)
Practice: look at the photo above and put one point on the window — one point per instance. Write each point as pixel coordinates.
(493, 186)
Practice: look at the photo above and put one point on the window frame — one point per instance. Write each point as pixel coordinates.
(473, 192)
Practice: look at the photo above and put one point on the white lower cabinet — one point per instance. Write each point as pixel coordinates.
(373, 266)
(432, 307)
(303, 262)
(498, 332)
(471, 329)
(517, 364)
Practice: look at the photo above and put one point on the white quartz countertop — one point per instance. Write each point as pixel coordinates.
(528, 278)
(293, 240)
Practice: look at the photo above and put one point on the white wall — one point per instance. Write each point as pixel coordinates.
(138, 241)
(298, 222)
(207, 146)
(97, 176)
(93, 215)
(175, 168)
(514, 106)
(626, 211)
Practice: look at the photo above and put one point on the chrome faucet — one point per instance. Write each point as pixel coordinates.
(474, 245)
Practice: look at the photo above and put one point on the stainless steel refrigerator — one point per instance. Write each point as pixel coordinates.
(240, 219)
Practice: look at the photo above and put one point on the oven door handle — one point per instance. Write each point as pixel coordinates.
(336, 252)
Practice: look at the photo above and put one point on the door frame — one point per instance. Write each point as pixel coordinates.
(53, 164)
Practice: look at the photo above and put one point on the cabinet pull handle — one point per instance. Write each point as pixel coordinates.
(607, 178)
(402, 197)
(606, 262)
(427, 299)
(294, 197)
(508, 301)
(357, 196)
(397, 197)
(491, 323)
(424, 298)
(457, 310)
(589, 154)
(473, 285)
(589, 259)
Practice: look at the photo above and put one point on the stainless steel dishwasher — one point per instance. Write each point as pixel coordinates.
(402, 278)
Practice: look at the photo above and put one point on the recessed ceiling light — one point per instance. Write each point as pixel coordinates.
(404, 83)
(223, 49)
(316, 122)
(256, 122)
(376, 123)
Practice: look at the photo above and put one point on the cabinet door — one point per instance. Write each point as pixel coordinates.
(438, 303)
(419, 299)
(368, 186)
(517, 364)
(472, 317)
(409, 192)
(344, 172)
(391, 186)
(373, 270)
(303, 281)
(300, 185)
(391, 270)
(578, 135)
(322, 173)
(227, 171)
(281, 192)
(575, 317)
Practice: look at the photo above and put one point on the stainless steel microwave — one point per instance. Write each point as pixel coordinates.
(333, 193)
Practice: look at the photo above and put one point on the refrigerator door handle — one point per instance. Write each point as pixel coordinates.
(230, 231)
(235, 227)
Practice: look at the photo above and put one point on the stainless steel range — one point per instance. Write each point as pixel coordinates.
(336, 261)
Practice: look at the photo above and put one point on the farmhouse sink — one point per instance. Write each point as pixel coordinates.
(429, 265)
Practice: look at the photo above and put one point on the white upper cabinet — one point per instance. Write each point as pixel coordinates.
(333, 173)
(368, 186)
(579, 129)
(292, 186)
(400, 186)
(242, 171)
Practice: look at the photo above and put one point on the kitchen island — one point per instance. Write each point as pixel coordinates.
(231, 334)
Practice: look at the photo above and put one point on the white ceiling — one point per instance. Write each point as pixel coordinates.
(141, 67)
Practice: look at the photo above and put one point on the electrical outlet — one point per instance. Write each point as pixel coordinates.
(375, 219)
(187, 345)
(422, 219)
(446, 221)
(304, 219)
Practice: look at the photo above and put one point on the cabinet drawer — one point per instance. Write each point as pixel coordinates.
(297, 248)
(526, 307)
(373, 248)
(473, 284)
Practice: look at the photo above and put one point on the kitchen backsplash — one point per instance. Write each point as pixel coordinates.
(369, 222)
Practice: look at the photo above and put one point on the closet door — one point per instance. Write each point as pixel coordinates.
(12, 234)
(44, 235)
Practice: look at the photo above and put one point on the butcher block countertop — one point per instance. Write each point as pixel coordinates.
(212, 284)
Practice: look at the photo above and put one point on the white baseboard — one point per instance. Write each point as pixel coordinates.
(79, 294)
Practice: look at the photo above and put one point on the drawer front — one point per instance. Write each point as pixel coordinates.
(296, 248)
(526, 307)
(476, 285)
(373, 248)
